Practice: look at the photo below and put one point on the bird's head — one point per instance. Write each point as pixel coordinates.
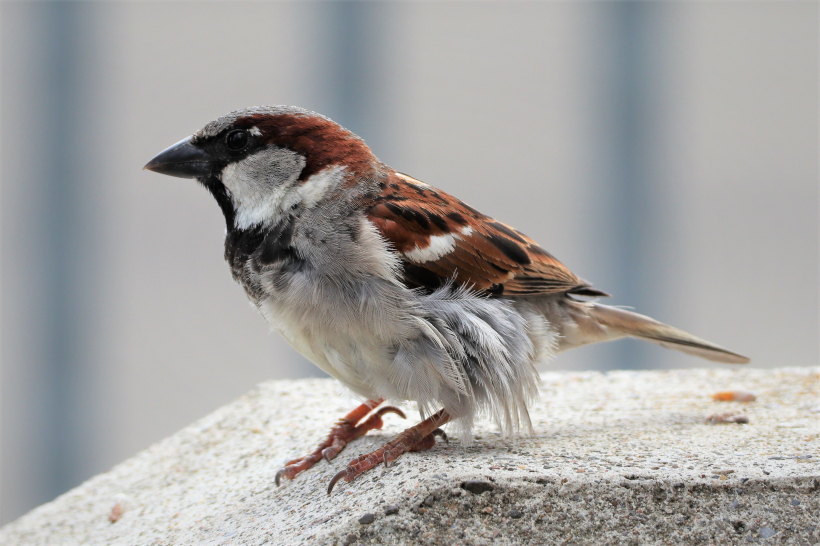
(261, 162)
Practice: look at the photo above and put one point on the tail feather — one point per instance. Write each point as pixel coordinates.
(614, 323)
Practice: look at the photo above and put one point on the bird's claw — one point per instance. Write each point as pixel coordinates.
(391, 409)
(335, 479)
(279, 473)
(443, 435)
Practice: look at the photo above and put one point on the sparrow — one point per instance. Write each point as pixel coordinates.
(397, 289)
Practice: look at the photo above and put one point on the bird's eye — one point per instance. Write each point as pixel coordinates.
(236, 140)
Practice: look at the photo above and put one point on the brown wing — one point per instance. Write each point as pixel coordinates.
(441, 238)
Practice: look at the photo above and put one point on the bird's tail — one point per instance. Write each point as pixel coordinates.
(600, 322)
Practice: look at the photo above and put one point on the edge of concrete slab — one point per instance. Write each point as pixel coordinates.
(622, 457)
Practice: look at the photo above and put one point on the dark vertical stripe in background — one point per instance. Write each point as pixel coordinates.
(62, 255)
(629, 194)
(357, 94)
(61, 29)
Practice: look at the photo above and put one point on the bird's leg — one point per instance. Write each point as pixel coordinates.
(346, 430)
(417, 438)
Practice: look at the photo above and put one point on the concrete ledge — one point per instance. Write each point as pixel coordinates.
(623, 457)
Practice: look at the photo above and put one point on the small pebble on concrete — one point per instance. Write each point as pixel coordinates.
(116, 513)
(734, 396)
(720, 418)
(477, 487)
(367, 519)
(767, 532)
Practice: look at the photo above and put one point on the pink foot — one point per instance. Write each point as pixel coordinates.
(345, 431)
(417, 438)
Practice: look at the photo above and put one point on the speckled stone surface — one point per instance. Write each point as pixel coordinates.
(622, 457)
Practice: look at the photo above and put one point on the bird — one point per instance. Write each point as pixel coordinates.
(397, 289)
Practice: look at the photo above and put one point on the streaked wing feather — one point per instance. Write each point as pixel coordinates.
(441, 238)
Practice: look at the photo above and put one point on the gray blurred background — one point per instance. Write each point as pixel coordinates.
(668, 152)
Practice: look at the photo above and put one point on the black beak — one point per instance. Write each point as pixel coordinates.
(183, 160)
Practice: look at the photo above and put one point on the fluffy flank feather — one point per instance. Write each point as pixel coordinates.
(490, 345)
